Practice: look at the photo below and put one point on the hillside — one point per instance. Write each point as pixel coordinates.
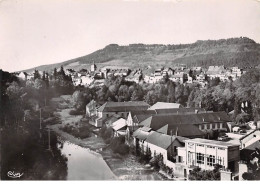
(242, 52)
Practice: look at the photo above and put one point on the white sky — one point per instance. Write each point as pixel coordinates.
(37, 32)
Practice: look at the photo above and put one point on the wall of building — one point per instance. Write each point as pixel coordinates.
(252, 138)
(220, 155)
(155, 150)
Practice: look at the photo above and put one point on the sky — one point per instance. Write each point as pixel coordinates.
(38, 32)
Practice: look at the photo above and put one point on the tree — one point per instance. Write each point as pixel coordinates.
(36, 75)
(198, 174)
(55, 73)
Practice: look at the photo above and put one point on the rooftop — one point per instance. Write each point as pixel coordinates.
(162, 140)
(119, 124)
(123, 106)
(184, 124)
(211, 142)
(164, 105)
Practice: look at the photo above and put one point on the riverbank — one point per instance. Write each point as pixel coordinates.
(124, 167)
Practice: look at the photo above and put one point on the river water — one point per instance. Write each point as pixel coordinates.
(84, 164)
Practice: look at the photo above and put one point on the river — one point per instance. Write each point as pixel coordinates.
(84, 164)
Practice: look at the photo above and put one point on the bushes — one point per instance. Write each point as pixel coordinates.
(75, 112)
(106, 134)
(118, 145)
(198, 174)
(145, 155)
(157, 162)
(81, 132)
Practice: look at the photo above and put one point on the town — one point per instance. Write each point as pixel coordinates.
(187, 123)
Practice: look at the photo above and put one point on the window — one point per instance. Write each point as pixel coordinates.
(208, 126)
(213, 126)
(107, 115)
(200, 158)
(220, 148)
(210, 147)
(202, 127)
(180, 158)
(220, 161)
(200, 145)
(218, 125)
(210, 160)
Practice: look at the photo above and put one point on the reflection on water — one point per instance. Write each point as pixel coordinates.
(84, 164)
(34, 154)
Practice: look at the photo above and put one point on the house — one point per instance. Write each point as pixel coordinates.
(206, 154)
(115, 70)
(179, 77)
(121, 108)
(172, 126)
(167, 71)
(165, 145)
(140, 135)
(93, 67)
(108, 122)
(134, 76)
(197, 69)
(86, 80)
(119, 127)
(164, 105)
(158, 72)
(216, 71)
(134, 119)
(188, 125)
(69, 71)
(190, 80)
(201, 77)
(22, 75)
(91, 108)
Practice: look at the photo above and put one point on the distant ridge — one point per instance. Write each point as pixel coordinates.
(242, 52)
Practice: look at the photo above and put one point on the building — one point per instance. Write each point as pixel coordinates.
(22, 75)
(91, 108)
(115, 70)
(249, 139)
(119, 127)
(215, 71)
(168, 71)
(190, 125)
(164, 105)
(134, 76)
(86, 80)
(207, 153)
(179, 77)
(190, 80)
(93, 67)
(201, 77)
(165, 145)
(134, 119)
(172, 126)
(121, 108)
(180, 110)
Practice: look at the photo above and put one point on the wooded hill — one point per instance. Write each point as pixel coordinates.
(242, 52)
